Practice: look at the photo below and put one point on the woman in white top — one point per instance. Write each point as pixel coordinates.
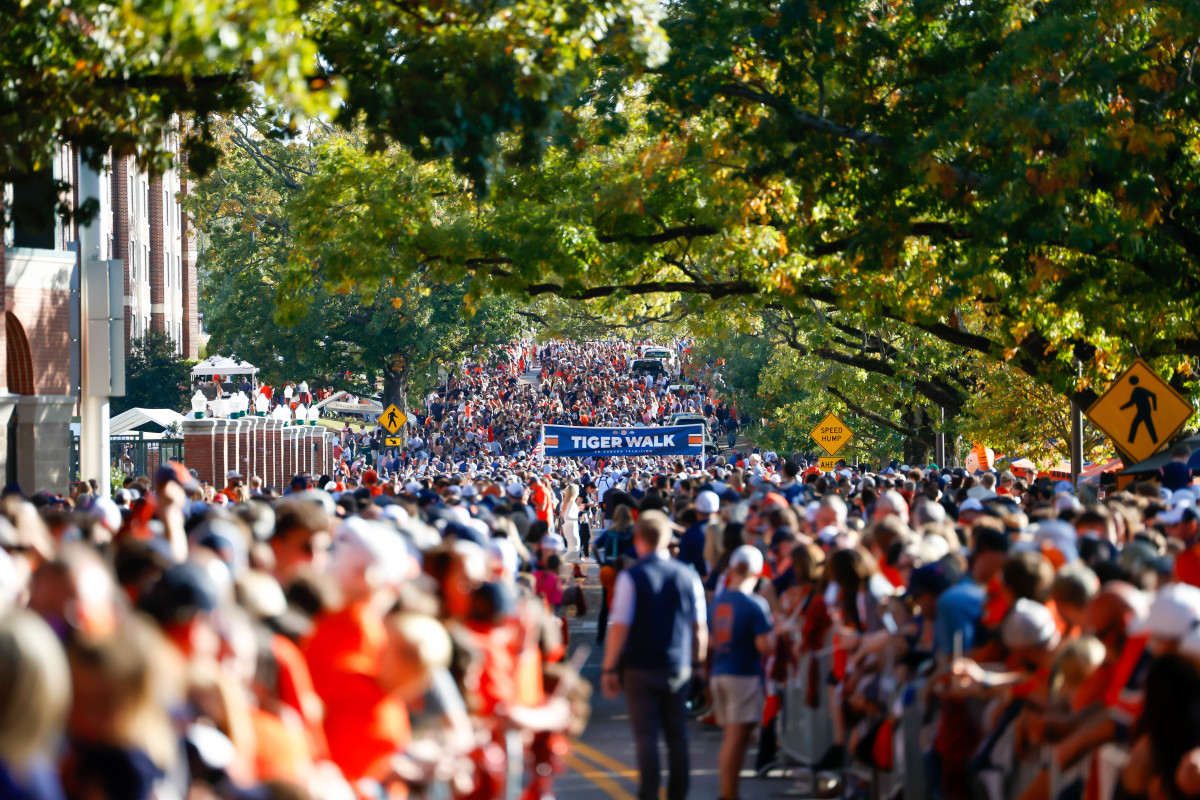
(570, 520)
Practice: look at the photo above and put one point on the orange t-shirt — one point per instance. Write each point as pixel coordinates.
(363, 725)
(296, 690)
(1187, 566)
(280, 754)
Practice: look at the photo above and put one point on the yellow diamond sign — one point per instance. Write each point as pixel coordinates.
(392, 419)
(1140, 412)
(832, 434)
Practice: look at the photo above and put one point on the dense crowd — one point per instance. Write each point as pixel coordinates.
(400, 628)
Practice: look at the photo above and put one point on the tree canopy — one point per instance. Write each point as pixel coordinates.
(1010, 179)
(400, 332)
(443, 78)
(156, 376)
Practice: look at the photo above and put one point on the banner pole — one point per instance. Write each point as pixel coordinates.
(703, 429)
(542, 455)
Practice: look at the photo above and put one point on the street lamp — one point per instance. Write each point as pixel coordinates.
(261, 405)
(314, 414)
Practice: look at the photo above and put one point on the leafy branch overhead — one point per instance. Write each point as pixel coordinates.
(1013, 179)
(443, 78)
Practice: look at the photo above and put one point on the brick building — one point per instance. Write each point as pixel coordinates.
(143, 226)
(151, 235)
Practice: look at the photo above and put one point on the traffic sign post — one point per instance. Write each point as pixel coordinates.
(832, 434)
(1140, 412)
(392, 419)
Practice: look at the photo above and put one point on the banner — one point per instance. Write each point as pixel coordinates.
(564, 441)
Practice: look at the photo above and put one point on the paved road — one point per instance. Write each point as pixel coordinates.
(602, 763)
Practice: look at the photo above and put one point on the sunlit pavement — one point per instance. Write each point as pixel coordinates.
(602, 763)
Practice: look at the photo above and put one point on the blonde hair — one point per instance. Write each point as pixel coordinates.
(1079, 659)
(622, 517)
(571, 493)
(35, 686)
(426, 636)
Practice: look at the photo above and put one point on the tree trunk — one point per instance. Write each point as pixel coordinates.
(916, 448)
(395, 389)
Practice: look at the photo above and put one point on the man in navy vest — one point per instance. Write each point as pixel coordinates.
(657, 632)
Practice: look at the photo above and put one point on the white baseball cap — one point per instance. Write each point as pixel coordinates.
(1174, 612)
(553, 543)
(1029, 624)
(360, 544)
(747, 556)
(708, 502)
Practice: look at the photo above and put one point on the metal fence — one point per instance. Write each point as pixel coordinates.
(133, 453)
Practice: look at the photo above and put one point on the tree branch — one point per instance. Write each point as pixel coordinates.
(878, 419)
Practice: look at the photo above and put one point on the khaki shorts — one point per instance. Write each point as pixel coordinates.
(737, 699)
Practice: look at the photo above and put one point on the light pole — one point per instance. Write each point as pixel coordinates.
(101, 340)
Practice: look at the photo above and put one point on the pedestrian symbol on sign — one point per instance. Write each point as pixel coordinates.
(1146, 403)
(392, 419)
(1140, 412)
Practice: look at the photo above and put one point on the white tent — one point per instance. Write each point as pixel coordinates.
(223, 365)
(135, 417)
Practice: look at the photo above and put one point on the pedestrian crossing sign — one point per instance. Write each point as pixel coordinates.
(832, 434)
(1140, 412)
(392, 419)
(393, 442)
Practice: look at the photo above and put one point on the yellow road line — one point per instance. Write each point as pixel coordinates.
(603, 759)
(614, 766)
(602, 781)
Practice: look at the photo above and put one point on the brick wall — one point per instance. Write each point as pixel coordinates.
(157, 258)
(255, 446)
(120, 203)
(45, 314)
(188, 296)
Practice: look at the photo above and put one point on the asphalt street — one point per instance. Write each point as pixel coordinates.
(602, 763)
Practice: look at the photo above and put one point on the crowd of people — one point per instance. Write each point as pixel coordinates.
(400, 627)
(1033, 625)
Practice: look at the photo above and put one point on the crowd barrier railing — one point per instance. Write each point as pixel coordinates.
(806, 732)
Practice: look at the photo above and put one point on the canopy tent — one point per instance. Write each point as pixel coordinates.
(1159, 460)
(136, 417)
(1064, 467)
(223, 365)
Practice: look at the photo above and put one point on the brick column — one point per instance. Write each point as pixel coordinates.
(199, 442)
(260, 449)
(310, 457)
(158, 276)
(289, 454)
(191, 313)
(120, 226)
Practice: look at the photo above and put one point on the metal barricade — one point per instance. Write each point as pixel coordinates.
(807, 732)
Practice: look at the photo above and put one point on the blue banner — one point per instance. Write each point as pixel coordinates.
(565, 441)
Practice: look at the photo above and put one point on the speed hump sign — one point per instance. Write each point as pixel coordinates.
(1140, 412)
(832, 434)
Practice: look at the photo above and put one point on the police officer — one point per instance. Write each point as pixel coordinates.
(657, 632)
